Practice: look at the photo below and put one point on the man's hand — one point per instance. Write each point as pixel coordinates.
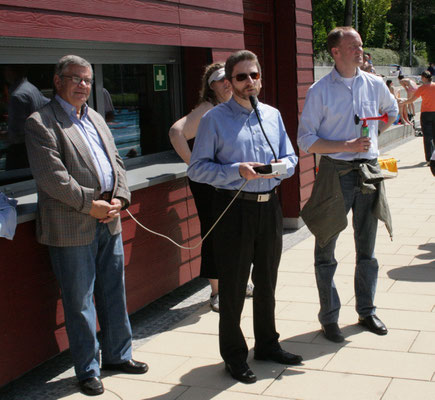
(105, 212)
(246, 170)
(360, 145)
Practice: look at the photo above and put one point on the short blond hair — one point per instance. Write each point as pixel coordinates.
(335, 36)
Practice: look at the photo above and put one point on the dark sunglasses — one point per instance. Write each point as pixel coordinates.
(242, 77)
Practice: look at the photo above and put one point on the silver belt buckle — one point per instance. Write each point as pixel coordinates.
(263, 197)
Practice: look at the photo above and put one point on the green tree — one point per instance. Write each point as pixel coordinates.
(374, 27)
(327, 14)
(423, 17)
(381, 23)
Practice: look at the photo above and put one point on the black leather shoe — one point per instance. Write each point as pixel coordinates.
(241, 372)
(373, 324)
(280, 356)
(92, 386)
(333, 333)
(128, 367)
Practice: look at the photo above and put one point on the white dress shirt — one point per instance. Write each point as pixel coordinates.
(330, 109)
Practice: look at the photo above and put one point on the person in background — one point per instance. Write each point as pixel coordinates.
(403, 114)
(410, 86)
(431, 68)
(24, 99)
(427, 117)
(109, 109)
(368, 64)
(82, 187)
(349, 176)
(228, 145)
(214, 90)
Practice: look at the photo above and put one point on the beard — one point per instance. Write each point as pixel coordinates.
(246, 92)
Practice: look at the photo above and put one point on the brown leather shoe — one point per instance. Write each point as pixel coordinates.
(128, 367)
(92, 386)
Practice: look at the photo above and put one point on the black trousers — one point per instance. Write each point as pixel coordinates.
(249, 233)
(428, 127)
(203, 195)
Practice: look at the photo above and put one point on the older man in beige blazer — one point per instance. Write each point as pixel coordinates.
(82, 187)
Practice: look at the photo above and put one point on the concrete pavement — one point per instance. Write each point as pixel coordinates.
(184, 358)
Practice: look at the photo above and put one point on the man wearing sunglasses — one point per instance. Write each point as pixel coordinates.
(229, 144)
(81, 189)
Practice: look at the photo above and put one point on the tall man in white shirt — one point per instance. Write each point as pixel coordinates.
(82, 187)
(349, 175)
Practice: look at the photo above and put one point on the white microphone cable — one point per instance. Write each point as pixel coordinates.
(179, 245)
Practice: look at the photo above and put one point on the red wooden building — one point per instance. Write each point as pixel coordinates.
(127, 41)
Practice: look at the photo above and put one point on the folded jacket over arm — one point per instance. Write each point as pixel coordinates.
(325, 213)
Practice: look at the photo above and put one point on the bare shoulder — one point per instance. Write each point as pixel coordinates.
(188, 125)
(200, 110)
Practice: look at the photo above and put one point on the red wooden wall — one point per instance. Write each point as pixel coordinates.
(32, 328)
(295, 74)
(198, 23)
(259, 20)
(305, 78)
(280, 33)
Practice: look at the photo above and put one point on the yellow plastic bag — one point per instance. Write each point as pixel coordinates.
(388, 166)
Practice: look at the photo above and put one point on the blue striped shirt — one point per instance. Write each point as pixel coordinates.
(94, 143)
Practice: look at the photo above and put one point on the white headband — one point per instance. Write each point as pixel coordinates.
(216, 76)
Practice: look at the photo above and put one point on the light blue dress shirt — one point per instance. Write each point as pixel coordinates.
(230, 134)
(94, 143)
(330, 108)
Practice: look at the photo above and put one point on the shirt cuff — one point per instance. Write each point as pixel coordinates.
(233, 172)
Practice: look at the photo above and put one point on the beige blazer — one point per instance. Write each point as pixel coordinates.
(66, 177)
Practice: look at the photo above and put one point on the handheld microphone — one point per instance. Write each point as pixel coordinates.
(278, 168)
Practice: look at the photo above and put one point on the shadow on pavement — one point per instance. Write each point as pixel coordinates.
(420, 272)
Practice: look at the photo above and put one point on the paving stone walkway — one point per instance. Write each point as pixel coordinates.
(177, 335)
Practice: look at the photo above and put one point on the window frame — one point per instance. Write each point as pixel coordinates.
(49, 51)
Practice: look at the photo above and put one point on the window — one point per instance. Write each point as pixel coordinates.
(138, 115)
(23, 89)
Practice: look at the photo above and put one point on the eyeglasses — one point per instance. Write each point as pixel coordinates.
(242, 77)
(77, 80)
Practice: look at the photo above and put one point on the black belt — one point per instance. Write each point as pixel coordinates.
(107, 196)
(250, 196)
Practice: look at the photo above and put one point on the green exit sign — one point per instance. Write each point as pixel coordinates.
(160, 78)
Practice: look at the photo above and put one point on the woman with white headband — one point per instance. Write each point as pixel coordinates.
(214, 90)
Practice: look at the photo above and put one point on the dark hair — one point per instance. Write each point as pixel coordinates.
(388, 82)
(400, 77)
(427, 75)
(206, 93)
(235, 58)
(335, 36)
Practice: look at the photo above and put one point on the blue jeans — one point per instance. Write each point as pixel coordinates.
(94, 270)
(366, 271)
